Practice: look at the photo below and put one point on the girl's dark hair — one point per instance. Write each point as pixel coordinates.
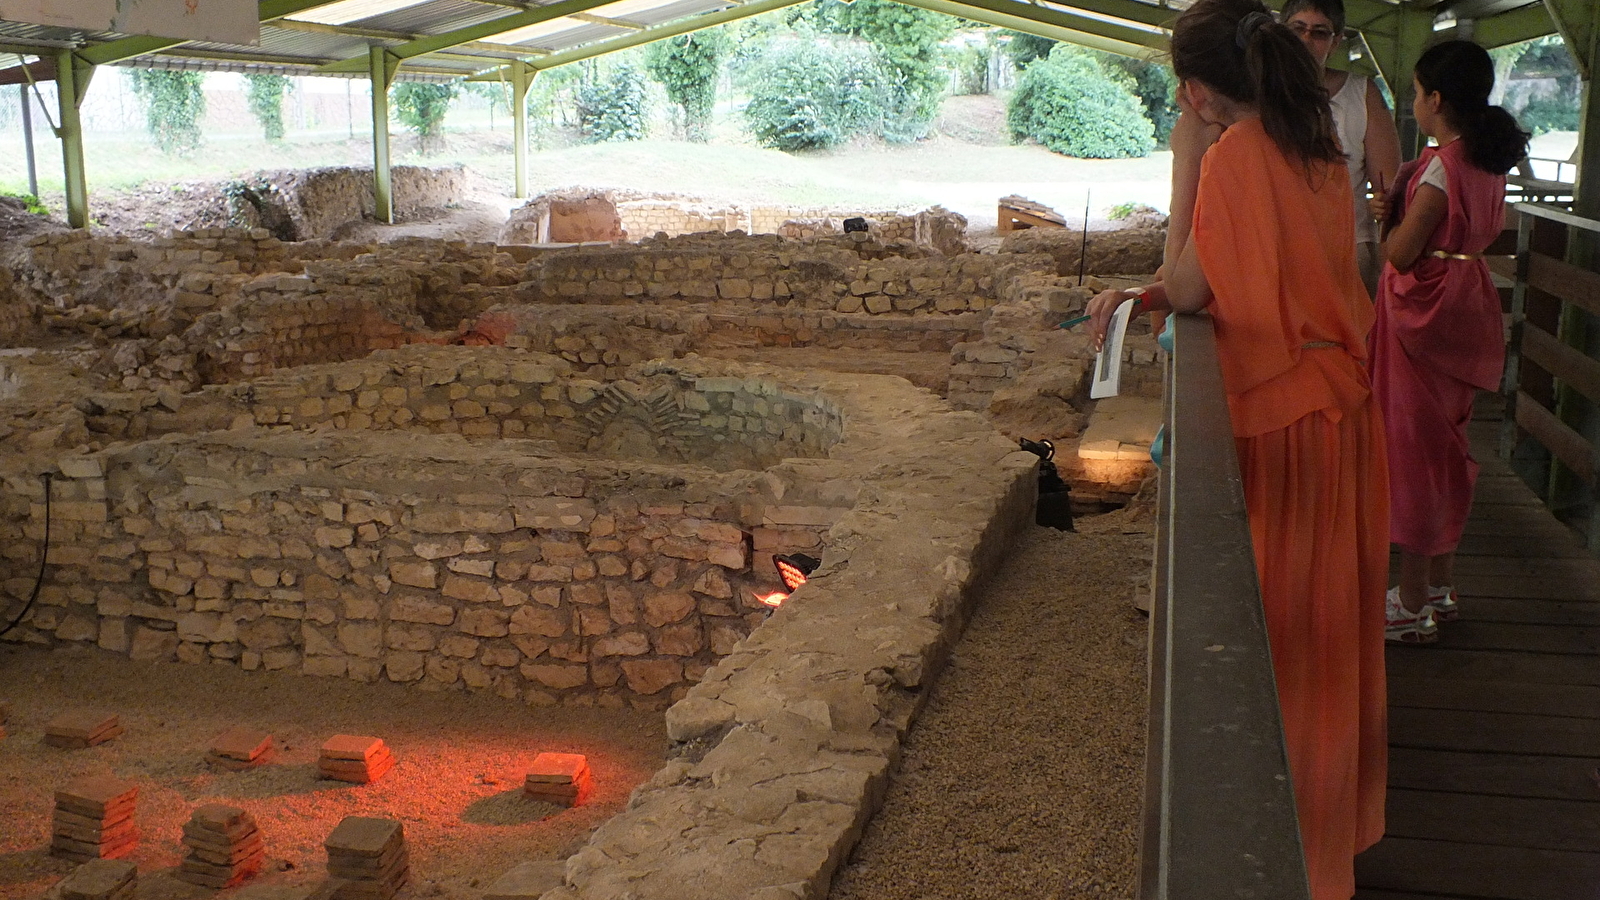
(1235, 48)
(1462, 74)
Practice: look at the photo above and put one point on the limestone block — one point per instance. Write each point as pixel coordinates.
(557, 677)
(666, 607)
(361, 639)
(539, 621)
(623, 643)
(150, 644)
(475, 590)
(554, 513)
(414, 574)
(484, 622)
(403, 666)
(650, 676)
(451, 519)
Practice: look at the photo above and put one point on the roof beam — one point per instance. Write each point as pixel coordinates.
(1513, 27)
(129, 47)
(1047, 15)
(1131, 10)
(647, 36)
(1579, 22)
(602, 20)
(422, 46)
(1142, 50)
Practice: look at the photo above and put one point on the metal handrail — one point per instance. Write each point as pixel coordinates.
(1219, 816)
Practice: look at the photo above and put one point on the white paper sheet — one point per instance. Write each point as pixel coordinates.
(1107, 379)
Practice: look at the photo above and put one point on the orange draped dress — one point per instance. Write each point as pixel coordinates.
(1292, 318)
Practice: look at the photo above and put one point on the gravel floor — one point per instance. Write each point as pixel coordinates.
(1022, 778)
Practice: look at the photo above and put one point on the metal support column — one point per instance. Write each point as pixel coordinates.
(383, 66)
(1397, 35)
(27, 139)
(72, 82)
(521, 80)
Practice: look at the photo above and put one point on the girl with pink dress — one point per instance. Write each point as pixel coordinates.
(1438, 337)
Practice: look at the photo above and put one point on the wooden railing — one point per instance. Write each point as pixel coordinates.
(1561, 289)
(1219, 818)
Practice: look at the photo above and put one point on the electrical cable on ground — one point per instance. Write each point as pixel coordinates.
(44, 553)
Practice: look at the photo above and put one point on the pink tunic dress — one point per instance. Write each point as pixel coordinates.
(1438, 339)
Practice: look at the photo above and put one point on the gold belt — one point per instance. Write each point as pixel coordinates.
(1440, 254)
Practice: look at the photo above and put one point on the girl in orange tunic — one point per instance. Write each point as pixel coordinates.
(1272, 257)
(1438, 341)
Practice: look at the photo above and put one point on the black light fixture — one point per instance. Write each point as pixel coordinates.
(795, 568)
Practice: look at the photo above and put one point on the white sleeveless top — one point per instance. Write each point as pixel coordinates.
(1350, 122)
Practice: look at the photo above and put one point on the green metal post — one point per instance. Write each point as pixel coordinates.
(521, 79)
(383, 67)
(72, 81)
(1397, 35)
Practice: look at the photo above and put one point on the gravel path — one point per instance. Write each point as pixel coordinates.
(1022, 778)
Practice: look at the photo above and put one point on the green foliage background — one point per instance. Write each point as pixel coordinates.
(264, 94)
(688, 67)
(812, 93)
(1073, 104)
(421, 107)
(174, 104)
(614, 103)
(908, 41)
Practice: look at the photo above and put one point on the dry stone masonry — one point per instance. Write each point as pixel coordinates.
(557, 474)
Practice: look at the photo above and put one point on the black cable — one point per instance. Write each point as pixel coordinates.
(44, 553)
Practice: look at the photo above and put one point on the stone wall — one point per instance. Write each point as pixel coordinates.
(16, 312)
(850, 273)
(308, 204)
(307, 541)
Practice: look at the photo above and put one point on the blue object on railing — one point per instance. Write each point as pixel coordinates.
(1158, 447)
(1165, 340)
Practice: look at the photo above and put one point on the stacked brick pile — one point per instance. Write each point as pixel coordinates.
(559, 778)
(223, 847)
(81, 728)
(354, 758)
(367, 858)
(100, 879)
(240, 747)
(94, 819)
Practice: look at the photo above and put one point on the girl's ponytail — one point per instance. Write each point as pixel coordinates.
(1235, 48)
(1462, 74)
(1495, 142)
(1290, 96)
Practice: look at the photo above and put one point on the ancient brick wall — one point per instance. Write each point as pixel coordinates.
(16, 312)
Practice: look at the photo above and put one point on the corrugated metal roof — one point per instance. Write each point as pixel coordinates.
(397, 22)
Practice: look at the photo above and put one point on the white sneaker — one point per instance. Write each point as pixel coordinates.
(1443, 601)
(1403, 626)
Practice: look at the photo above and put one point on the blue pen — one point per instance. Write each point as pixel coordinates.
(1079, 320)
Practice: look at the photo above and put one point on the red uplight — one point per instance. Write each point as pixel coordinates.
(773, 600)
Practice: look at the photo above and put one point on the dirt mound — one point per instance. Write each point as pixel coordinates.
(1134, 251)
(17, 225)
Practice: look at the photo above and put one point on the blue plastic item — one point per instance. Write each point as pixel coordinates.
(1158, 448)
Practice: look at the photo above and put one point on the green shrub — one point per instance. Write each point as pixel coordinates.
(29, 202)
(264, 94)
(174, 104)
(614, 105)
(971, 63)
(908, 41)
(1069, 103)
(687, 68)
(1155, 86)
(421, 107)
(810, 93)
(1024, 48)
(1550, 112)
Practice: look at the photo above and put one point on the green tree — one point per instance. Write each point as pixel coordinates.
(1024, 48)
(421, 107)
(264, 94)
(1071, 104)
(614, 104)
(174, 104)
(687, 67)
(1155, 86)
(497, 93)
(908, 40)
(807, 93)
